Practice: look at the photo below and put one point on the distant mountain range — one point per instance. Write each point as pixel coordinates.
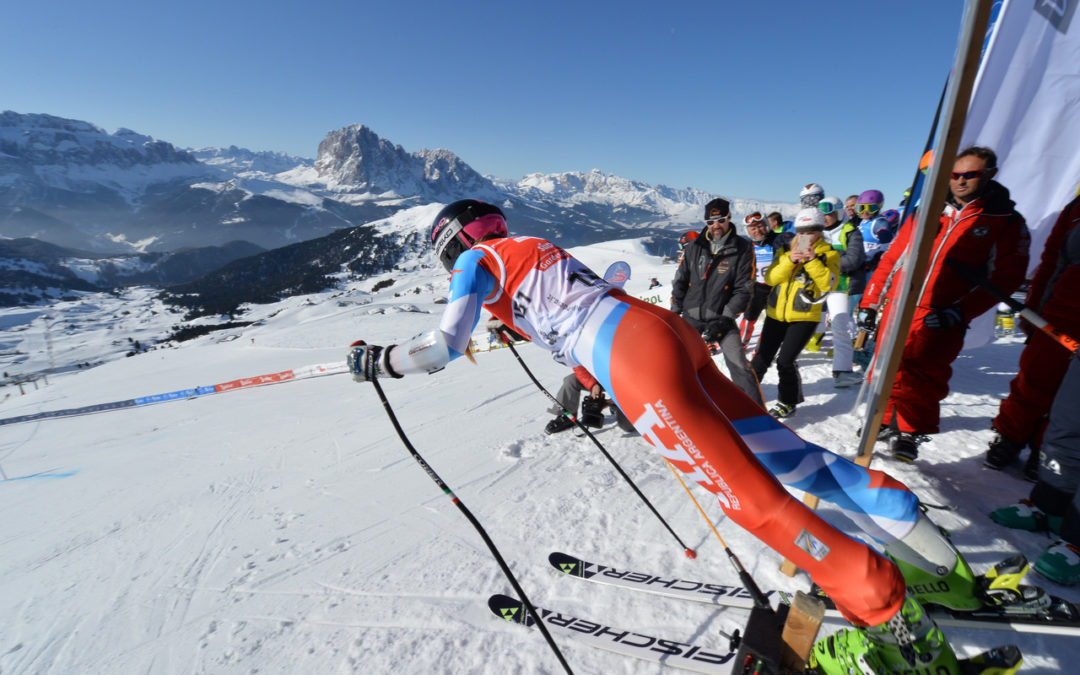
(124, 208)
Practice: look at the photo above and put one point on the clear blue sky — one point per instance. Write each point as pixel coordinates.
(744, 99)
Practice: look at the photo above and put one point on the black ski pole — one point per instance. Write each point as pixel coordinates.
(972, 276)
(475, 523)
(690, 553)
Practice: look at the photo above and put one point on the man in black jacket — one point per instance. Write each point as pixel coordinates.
(713, 285)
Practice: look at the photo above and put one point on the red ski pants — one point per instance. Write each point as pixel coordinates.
(665, 381)
(922, 380)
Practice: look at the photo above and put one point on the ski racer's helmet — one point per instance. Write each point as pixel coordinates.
(893, 218)
(810, 195)
(687, 238)
(832, 205)
(870, 202)
(461, 224)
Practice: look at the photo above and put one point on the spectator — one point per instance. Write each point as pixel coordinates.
(876, 236)
(653, 283)
(712, 286)
(849, 208)
(683, 241)
(765, 243)
(811, 195)
(592, 408)
(1054, 295)
(846, 239)
(980, 228)
(776, 222)
(1054, 503)
(803, 272)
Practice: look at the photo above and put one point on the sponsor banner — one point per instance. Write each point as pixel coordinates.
(317, 370)
(69, 412)
(271, 378)
(170, 396)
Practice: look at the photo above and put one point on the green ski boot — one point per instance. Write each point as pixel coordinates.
(1024, 515)
(956, 590)
(909, 642)
(1060, 563)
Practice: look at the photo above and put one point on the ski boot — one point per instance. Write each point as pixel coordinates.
(814, 345)
(1002, 452)
(1060, 563)
(1024, 515)
(934, 571)
(909, 642)
(956, 589)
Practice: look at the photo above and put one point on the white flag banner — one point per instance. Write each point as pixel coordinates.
(1026, 106)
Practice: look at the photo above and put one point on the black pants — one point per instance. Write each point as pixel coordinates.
(758, 299)
(739, 370)
(783, 341)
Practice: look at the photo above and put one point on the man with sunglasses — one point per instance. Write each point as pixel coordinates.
(712, 286)
(980, 230)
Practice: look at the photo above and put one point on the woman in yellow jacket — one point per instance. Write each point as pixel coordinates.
(801, 275)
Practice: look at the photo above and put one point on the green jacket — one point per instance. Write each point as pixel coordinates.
(798, 291)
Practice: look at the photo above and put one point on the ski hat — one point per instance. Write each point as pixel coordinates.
(871, 197)
(810, 195)
(718, 207)
(460, 225)
(810, 220)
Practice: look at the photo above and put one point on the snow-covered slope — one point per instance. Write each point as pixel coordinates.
(285, 529)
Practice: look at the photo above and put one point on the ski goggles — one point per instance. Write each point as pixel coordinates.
(967, 175)
(754, 218)
(713, 221)
(828, 207)
(867, 208)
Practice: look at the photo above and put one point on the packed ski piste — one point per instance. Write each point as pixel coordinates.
(657, 370)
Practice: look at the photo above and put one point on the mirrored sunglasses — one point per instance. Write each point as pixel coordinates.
(966, 175)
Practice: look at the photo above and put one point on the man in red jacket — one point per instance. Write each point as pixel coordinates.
(1055, 296)
(981, 230)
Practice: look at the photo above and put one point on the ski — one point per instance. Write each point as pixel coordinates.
(998, 661)
(673, 653)
(1061, 618)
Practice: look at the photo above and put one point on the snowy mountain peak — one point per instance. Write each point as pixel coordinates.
(356, 159)
(37, 140)
(242, 160)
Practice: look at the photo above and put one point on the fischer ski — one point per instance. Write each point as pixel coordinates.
(628, 643)
(1059, 618)
(1004, 660)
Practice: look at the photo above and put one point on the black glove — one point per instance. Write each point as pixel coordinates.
(943, 318)
(867, 319)
(716, 330)
(366, 362)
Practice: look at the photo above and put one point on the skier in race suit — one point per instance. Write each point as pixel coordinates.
(682, 405)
